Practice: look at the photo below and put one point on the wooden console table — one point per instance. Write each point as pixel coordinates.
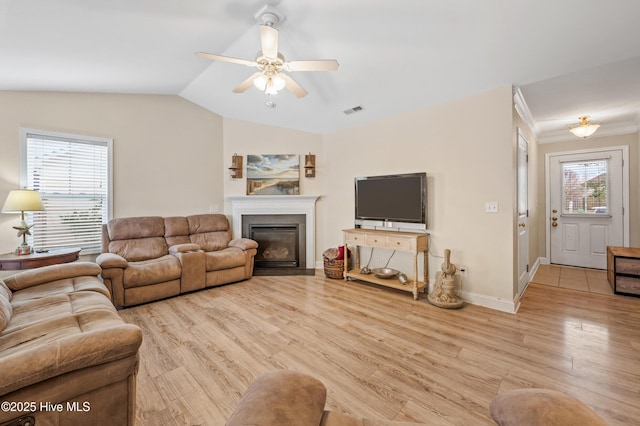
(411, 242)
(13, 262)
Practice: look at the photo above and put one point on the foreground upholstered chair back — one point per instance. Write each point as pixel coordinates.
(541, 407)
(290, 398)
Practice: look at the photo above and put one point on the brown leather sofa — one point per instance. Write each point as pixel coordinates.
(150, 258)
(66, 357)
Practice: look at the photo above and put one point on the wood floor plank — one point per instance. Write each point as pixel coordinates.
(380, 353)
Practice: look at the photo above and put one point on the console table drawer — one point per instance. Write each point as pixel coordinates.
(355, 239)
(376, 241)
(397, 243)
(627, 266)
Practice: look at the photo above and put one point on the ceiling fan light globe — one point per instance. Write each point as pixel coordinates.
(260, 83)
(270, 89)
(278, 82)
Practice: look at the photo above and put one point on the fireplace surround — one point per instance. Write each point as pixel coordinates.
(281, 208)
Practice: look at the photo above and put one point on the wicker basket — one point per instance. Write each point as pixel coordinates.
(334, 268)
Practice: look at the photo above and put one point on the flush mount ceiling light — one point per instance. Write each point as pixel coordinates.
(270, 77)
(584, 128)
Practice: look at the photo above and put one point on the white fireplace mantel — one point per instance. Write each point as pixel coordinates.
(278, 204)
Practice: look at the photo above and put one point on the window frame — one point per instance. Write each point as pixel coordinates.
(25, 133)
(587, 213)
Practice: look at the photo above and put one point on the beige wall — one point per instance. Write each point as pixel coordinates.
(167, 151)
(630, 140)
(245, 138)
(466, 148)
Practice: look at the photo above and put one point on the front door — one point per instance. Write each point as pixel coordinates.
(586, 197)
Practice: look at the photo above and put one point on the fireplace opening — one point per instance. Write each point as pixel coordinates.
(277, 246)
(281, 243)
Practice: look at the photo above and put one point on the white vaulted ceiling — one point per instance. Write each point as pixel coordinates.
(569, 58)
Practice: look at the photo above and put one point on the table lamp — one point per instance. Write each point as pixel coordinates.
(21, 200)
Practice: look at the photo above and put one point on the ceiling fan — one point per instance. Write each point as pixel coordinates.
(270, 63)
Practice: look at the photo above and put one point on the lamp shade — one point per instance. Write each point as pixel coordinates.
(20, 200)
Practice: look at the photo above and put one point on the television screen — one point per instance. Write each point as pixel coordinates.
(393, 198)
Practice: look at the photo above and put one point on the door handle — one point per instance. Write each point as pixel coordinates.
(522, 225)
(554, 211)
(554, 218)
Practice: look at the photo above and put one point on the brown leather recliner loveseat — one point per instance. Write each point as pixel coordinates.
(150, 258)
(66, 357)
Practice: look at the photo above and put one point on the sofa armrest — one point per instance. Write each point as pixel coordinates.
(113, 267)
(50, 273)
(243, 243)
(70, 353)
(111, 260)
(183, 248)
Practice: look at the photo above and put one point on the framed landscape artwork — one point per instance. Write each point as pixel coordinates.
(273, 174)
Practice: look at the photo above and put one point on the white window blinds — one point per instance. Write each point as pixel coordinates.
(585, 187)
(72, 174)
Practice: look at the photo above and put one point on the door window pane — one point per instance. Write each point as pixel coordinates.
(585, 187)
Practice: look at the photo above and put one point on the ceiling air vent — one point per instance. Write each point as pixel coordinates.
(350, 111)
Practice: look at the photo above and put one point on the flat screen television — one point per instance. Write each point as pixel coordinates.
(392, 201)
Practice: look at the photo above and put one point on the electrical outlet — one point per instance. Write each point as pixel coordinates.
(463, 270)
(491, 207)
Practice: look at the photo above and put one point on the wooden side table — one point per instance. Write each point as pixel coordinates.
(14, 262)
(623, 270)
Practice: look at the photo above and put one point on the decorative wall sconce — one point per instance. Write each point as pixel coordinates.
(309, 165)
(236, 166)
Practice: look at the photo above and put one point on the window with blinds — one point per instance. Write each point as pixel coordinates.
(585, 187)
(73, 176)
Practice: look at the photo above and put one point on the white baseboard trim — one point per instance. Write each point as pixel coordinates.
(490, 302)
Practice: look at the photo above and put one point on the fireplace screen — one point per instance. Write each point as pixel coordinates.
(277, 246)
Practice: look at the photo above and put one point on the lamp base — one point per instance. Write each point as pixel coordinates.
(23, 250)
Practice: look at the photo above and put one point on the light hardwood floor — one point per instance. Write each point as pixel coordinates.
(380, 353)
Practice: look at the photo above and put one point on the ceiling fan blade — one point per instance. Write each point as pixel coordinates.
(269, 41)
(316, 65)
(226, 59)
(292, 86)
(242, 87)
